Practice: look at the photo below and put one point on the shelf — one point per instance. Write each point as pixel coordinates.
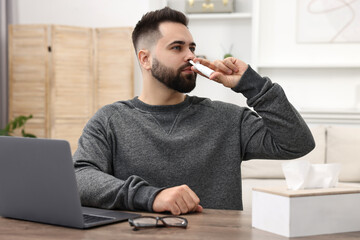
(324, 116)
(204, 16)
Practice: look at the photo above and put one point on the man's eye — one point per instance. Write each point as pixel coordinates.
(192, 49)
(177, 48)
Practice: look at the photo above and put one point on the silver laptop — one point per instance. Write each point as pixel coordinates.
(37, 183)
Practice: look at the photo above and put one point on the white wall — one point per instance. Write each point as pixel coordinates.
(319, 77)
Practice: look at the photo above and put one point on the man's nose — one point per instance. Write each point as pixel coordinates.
(190, 55)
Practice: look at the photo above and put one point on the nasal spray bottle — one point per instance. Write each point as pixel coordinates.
(201, 68)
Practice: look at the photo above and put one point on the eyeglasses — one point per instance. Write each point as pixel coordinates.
(148, 222)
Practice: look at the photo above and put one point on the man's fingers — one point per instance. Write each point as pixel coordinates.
(230, 63)
(174, 209)
(221, 67)
(217, 65)
(203, 61)
(218, 77)
(227, 71)
(191, 199)
(211, 65)
(183, 206)
(190, 202)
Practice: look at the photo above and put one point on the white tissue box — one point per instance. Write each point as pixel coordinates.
(296, 213)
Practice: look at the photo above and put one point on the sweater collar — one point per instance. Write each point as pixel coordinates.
(137, 103)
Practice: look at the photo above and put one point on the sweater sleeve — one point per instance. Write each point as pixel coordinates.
(274, 130)
(97, 185)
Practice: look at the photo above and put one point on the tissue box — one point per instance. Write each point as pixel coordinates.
(209, 6)
(296, 213)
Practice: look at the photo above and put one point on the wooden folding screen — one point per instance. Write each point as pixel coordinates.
(63, 75)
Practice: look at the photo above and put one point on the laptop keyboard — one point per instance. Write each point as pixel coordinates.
(94, 219)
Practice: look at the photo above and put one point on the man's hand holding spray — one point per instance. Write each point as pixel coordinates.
(227, 72)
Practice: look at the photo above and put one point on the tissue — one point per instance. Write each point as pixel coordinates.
(301, 174)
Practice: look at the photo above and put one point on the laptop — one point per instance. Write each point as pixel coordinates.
(37, 183)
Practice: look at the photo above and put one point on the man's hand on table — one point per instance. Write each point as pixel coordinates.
(177, 200)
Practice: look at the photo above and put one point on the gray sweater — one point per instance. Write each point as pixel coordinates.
(129, 151)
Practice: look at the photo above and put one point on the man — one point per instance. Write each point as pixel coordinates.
(167, 151)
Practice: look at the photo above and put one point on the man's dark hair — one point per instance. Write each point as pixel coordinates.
(149, 23)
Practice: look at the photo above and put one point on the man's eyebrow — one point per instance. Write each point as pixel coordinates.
(182, 43)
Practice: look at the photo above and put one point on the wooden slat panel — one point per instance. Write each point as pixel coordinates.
(71, 81)
(114, 61)
(28, 75)
(69, 129)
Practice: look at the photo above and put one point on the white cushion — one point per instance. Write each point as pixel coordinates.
(272, 168)
(344, 147)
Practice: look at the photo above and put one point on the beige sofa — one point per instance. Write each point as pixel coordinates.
(334, 144)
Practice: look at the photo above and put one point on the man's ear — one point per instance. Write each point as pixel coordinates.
(145, 59)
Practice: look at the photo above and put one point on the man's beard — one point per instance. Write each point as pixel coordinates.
(174, 80)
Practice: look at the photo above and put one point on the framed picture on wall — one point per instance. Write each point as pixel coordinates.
(328, 21)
